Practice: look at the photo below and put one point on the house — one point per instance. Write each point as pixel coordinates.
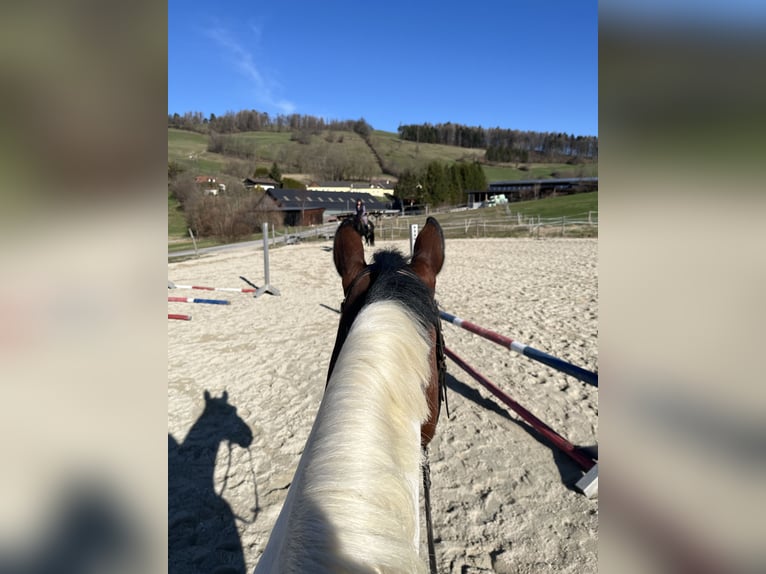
(385, 185)
(309, 207)
(375, 187)
(209, 185)
(265, 183)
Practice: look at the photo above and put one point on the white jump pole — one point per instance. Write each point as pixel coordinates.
(267, 287)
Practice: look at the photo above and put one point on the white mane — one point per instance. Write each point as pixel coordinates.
(354, 501)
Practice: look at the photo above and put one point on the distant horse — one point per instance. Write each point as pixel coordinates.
(366, 230)
(202, 531)
(353, 505)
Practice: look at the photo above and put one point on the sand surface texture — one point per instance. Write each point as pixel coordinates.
(503, 499)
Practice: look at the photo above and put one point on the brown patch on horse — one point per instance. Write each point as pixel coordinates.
(348, 253)
(428, 256)
(433, 398)
(427, 261)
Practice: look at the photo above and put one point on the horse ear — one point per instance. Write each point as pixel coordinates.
(225, 395)
(348, 253)
(207, 395)
(428, 256)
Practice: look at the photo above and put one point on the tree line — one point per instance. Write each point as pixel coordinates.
(505, 145)
(502, 145)
(439, 184)
(255, 121)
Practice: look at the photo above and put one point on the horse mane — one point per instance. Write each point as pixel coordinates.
(375, 504)
(394, 282)
(353, 504)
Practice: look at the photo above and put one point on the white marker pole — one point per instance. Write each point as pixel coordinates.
(413, 237)
(267, 288)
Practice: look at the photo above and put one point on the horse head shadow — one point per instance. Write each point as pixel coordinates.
(202, 528)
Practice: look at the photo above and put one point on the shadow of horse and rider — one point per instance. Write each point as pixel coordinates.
(202, 527)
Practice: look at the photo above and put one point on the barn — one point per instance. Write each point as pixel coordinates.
(525, 189)
(303, 207)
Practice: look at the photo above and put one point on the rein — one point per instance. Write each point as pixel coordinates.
(255, 487)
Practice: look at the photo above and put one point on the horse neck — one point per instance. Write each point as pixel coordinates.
(200, 447)
(356, 487)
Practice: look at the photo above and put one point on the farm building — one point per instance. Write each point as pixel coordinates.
(262, 182)
(377, 187)
(524, 189)
(209, 185)
(307, 207)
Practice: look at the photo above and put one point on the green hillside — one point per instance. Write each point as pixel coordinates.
(563, 206)
(189, 150)
(307, 156)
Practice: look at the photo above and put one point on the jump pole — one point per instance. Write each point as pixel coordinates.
(196, 300)
(172, 285)
(588, 484)
(553, 362)
(267, 288)
(179, 317)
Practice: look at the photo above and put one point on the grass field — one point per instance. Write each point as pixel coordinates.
(539, 171)
(403, 155)
(570, 206)
(176, 220)
(564, 206)
(502, 220)
(189, 150)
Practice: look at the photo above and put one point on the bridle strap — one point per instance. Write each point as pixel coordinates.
(441, 366)
(427, 504)
(363, 273)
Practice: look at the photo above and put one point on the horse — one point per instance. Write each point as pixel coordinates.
(353, 504)
(366, 230)
(202, 530)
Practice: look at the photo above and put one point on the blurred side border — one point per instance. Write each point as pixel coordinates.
(681, 272)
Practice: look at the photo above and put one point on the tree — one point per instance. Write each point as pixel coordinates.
(290, 183)
(436, 184)
(174, 169)
(474, 178)
(362, 128)
(275, 173)
(407, 188)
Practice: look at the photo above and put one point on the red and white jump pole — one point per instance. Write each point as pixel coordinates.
(588, 484)
(179, 317)
(196, 300)
(553, 362)
(172, 285)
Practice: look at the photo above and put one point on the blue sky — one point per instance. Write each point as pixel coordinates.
(528, 65)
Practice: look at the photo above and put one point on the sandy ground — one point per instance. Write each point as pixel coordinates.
(502, 498)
